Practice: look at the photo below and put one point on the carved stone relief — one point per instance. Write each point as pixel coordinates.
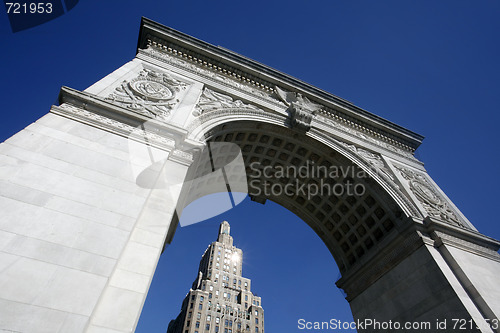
(377, 164)
(434, 204)
(150, 93)
(301, 109)
(211, 101)
(374, 160)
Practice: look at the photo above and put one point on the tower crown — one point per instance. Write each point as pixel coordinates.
(221, 298)
(224, 236)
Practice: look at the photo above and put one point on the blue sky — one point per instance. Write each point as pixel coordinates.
(431, 66)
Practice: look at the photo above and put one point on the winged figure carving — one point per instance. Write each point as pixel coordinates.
(300, 107)
(290, 98)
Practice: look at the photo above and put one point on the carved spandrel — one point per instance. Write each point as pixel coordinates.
(151, 93)
(211, 101)
(432, 201)
(377, 164)
(374, 160)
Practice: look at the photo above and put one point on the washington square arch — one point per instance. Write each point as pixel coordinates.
(94, 190)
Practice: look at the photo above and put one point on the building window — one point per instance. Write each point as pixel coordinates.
(190, 314)
(217, 320)
(207, 328)
(197, 325)
(256, 321)
(201, 298)
(191, 306)
(198, 316)
(256, 330)
(200, 306)
(226, 322)
(208, 317)
(216, 329)
(187, 323)
(210, 296)
(246, 297)
(256, 312)
(211, 288)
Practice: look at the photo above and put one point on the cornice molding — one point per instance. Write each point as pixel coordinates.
(264, 78)
(324, 117)
(98, 112)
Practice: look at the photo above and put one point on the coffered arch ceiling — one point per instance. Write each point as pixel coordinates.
(353, 211)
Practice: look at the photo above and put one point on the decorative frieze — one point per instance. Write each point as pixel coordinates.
(264, 90)
(343, 126)
(214, 72)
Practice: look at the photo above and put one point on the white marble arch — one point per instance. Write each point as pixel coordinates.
(91, 192)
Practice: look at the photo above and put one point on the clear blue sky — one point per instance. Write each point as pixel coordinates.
(431, 66)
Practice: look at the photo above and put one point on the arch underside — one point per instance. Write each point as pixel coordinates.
(352, 225)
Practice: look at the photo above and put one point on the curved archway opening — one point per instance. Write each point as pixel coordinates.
(347, 208)
(340, 200)
(290, 268)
